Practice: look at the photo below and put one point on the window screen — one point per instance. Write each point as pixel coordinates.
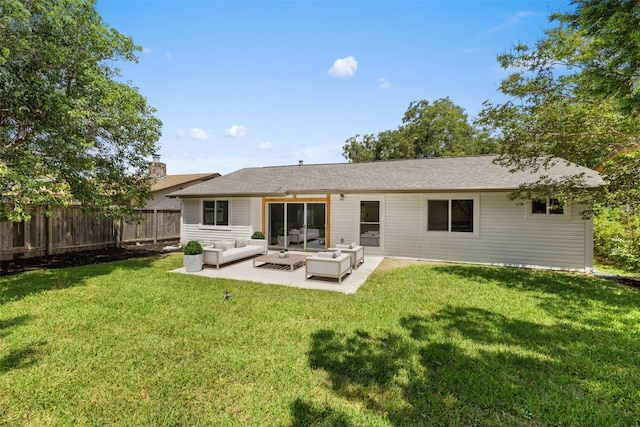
(438, 215)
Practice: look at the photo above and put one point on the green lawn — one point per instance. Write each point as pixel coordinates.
(129, 344)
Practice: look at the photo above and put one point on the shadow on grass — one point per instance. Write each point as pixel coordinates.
(22, 357)
(8, 324)
(310, 415)
(19, 286)
(468, 366)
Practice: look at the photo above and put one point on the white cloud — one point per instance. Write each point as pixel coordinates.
(200, 134)
(344, 67)
(169, 55)
(147, 51)
(264, 146)
(383, 83)
(181, 133)
(236, 131)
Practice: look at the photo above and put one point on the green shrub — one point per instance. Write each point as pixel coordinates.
(258, 235)
(616, 237)
(192, 248)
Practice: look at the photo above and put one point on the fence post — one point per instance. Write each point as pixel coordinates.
(118, 229)
(155, 225)
(49, 226)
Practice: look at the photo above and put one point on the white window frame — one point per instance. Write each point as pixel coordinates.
(548, 216)
(379, 222)
(216, 226)
(449, 198)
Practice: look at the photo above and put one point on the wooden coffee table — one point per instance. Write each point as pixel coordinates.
(273, 261)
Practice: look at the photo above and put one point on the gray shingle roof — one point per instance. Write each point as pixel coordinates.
(412, 175)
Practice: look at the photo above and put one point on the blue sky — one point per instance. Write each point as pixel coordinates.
(260, 83)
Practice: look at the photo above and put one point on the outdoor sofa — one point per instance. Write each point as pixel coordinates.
(297, 235)
(225, 251)
(370, 238)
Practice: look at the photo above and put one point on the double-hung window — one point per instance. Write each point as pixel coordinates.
(452, 215)
(370, 223)
(215, 212)
(547, 207)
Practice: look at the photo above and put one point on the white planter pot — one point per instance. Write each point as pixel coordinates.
(193, 263)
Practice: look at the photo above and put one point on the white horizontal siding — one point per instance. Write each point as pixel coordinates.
(256, 215)
(504, 235)
(191, 211)
(344, 219)
(241, 212)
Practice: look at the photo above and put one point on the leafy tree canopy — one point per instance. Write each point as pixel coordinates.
(69, 129)
(575, 95)
(427, 130)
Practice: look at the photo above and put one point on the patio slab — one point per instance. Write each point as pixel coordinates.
(244, 270)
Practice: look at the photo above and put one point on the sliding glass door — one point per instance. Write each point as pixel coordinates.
(296, 225)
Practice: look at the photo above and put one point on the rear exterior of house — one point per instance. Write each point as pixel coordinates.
(417, 216)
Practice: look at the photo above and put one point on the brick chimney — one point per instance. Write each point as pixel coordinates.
(157, 169)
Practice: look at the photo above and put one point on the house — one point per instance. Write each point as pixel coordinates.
(166, 184)
(445, 209)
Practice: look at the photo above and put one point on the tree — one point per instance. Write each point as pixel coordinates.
(575, 96)
(69, 130)
(439, 129)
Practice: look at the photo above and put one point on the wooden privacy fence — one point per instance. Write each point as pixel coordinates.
(73, 230)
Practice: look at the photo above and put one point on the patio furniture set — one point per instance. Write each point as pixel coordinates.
(335, 263)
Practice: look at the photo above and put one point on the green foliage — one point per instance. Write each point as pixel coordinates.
(574, 95)
(616, 233)
(428, 130)
(192, 247)
(69, 129)
(258, 235)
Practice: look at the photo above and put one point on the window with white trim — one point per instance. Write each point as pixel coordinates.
(451, 215)
(215, 212)
(370, 223)
(547, 207)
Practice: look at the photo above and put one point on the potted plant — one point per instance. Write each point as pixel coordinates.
(283, 253)
(258, 235)
(193, 256)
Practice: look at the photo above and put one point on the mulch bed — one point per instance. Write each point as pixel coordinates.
(73, 259)
(629, 281)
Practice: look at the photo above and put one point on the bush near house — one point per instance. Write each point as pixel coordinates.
(616, 235)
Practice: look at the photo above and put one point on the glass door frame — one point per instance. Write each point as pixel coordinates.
(279, 242)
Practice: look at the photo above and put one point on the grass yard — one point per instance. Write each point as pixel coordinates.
(128, 344)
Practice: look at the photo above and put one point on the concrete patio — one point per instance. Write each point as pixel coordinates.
(244, 270)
